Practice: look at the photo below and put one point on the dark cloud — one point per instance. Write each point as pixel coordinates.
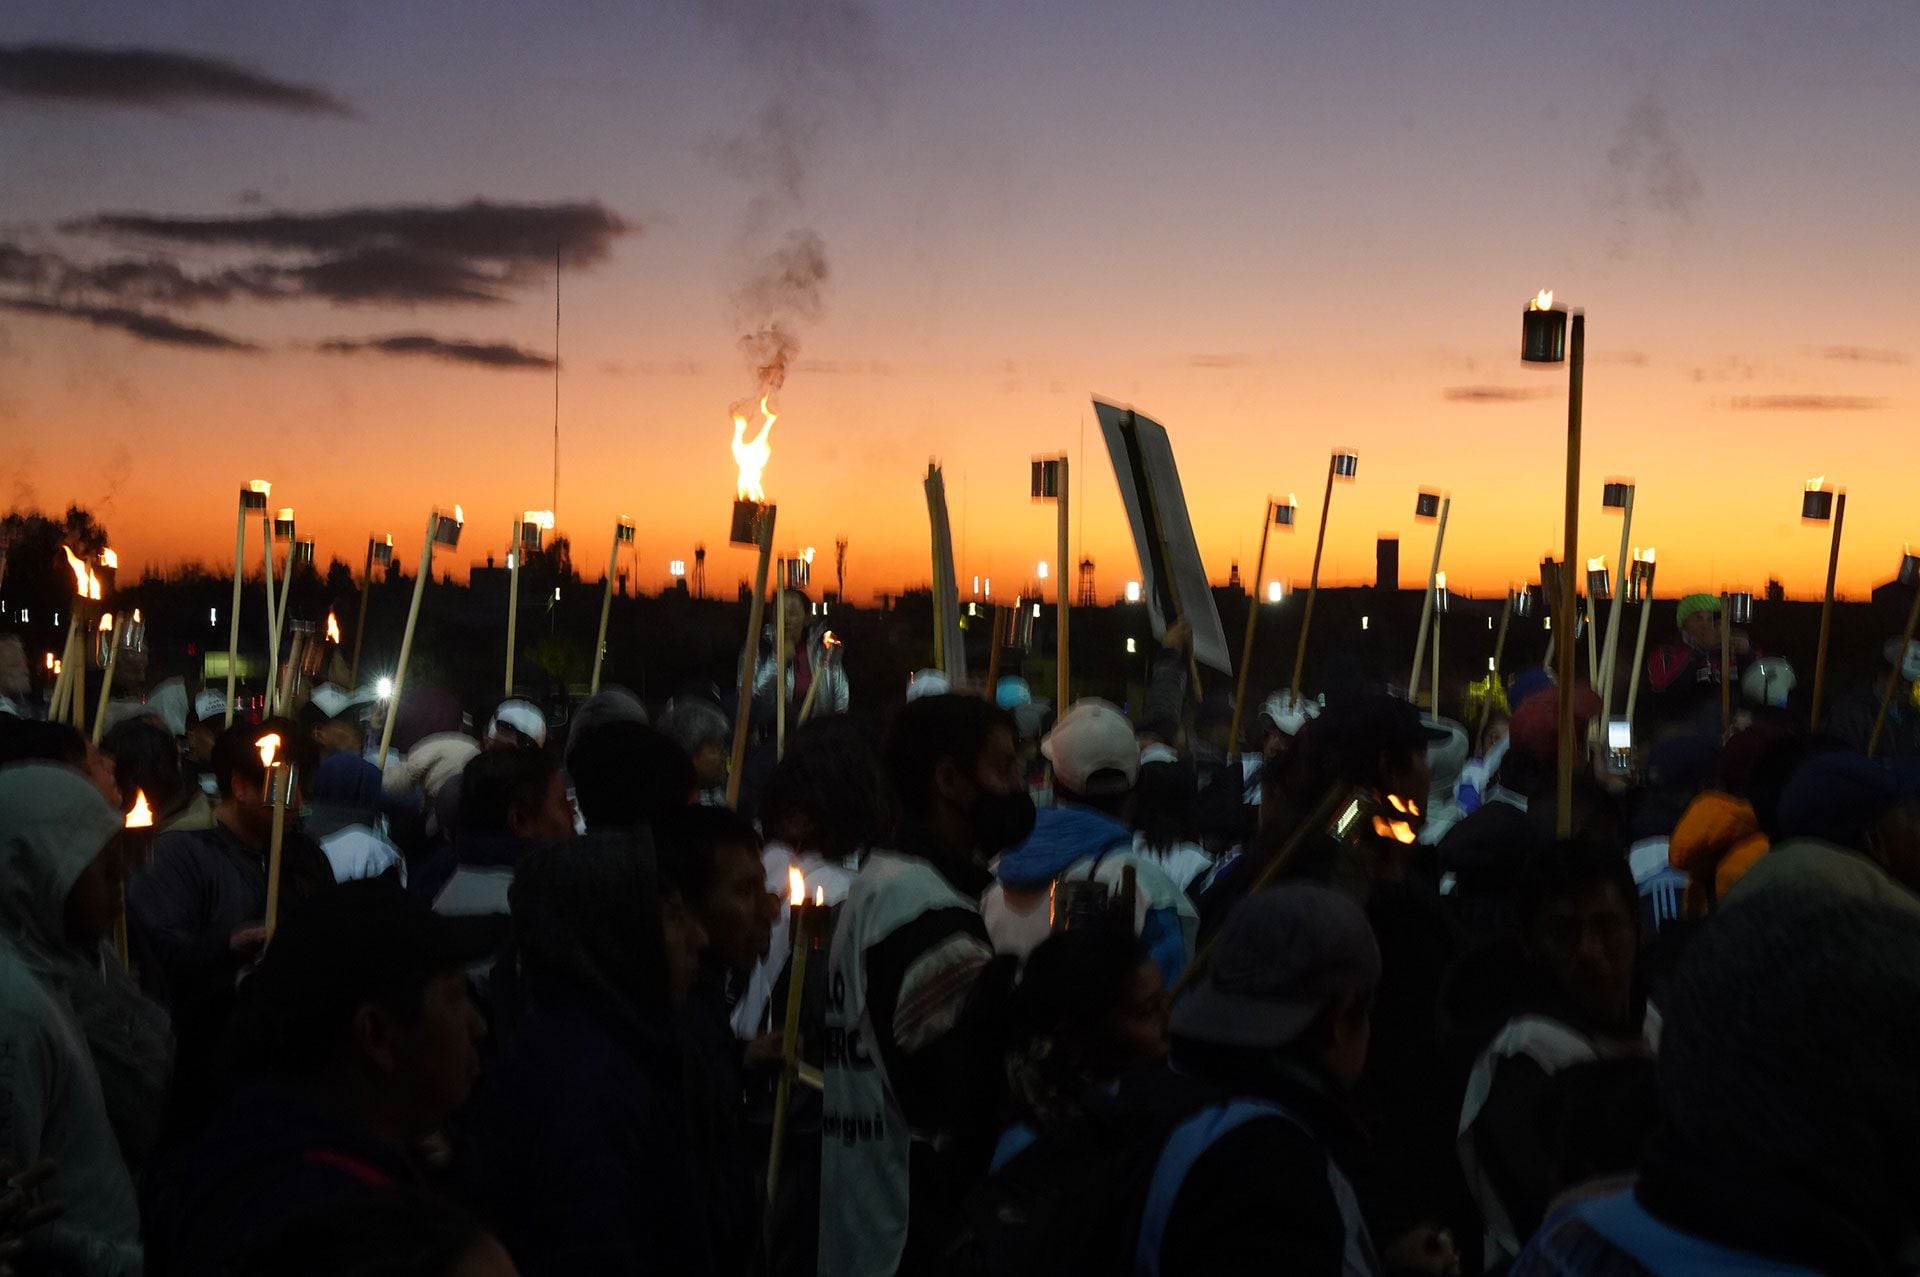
(486, 354)
(1863, 355)
(1494, 394)
(512, 237)
(1806, 403)
(148, 77)
(135, 323)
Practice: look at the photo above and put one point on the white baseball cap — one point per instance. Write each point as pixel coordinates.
(1091, 738)
(523, 717)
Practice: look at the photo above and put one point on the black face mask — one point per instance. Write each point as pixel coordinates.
(1000, 821)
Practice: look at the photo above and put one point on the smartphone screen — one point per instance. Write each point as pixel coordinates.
(1619, 734)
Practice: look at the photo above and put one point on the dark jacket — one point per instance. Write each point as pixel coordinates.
(718, 1110)
(1266, 1196)
(583, 1148)
(274, 1155)
(1851, 722)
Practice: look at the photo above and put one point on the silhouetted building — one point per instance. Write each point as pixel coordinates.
(1386, 563)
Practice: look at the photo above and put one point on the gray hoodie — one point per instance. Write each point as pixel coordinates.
(81, 1051)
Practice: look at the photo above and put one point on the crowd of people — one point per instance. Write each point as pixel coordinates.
(1094, 991)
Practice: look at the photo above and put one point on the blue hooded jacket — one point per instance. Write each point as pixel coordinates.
(1064, 836)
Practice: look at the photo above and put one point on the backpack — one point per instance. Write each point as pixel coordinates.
(1090, 1200)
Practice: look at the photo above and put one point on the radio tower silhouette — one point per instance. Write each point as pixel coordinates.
(699, 572)
(840, 570)
(1086, 584)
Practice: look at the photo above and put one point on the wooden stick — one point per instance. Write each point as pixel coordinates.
(1610, 651)
(998, 631)
(286, 591)
(1576, 376)
(360, 621)
(1500, 639)
(273, 623)
(1826, 615)
(280, 786)
(1437, 618)
(57, 700)
(750, 658)
(813, 688)
(406, 640)
(513, 603)
(77, 688)
(1426, 606)
(1313, 587)
(1726, 663)
(780, 573)
(1246, 641)
(233, 620)
(1592, 615)
(1894, 678)
(606, 609)
(789, 1050)
(106, 683)
(1065, 574)
(290, 672)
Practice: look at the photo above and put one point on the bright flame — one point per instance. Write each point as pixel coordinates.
(828, 641)
(283, 515)
(333, 628)
(108, 559)
(106, 622)
(85, 584)
(1648, 557)
(261, 486)
(390, 535)
(269, 747)
(819, 897)
(1398, 830)
(752, 455)
(1598, 563)
(1816, 483)
(140, 816)
(59, 666)
(796, 886)
(1542, 300)
(49, 660)
(1440, 582)
(136, 616)
(459, 516)
(806, 555)
(542, 519)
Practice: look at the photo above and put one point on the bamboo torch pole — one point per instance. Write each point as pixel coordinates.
(998, 637)
(1726, 662)
(1646, 567)
(273, 625)
(360, 620)
(1246, 641)
(1826, 613)
(106, 682)
(1063, 579)
(1313, 586)
(780, 658)
(1894, 677)
(233, 618)
(1576, 376)
(425, 568)
(1426, 609)
(1610, 651)
(606, 607)
(750, 656)
(515, 554)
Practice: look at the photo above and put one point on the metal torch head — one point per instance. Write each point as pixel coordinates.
(1346, 463)
(1426, 505)
(1285, 513)
(1740, 608)
(303, 552)
(446, 527)
(1046, 478)
(253, 497)
(1816, 505)
(1521, 602)
(1615, 494)
(1543, 330)
(283, 524)
(382, 550)
(623, 532)
(745, 530)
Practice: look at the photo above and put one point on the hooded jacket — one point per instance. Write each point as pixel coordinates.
(1716, 842)
(1080, 842)
(83, 1057)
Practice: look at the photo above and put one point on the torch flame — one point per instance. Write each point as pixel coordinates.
(542, 519)
(828, 641)
(819, 897)
(1440, 582)
(50, 661)
(1542, 300)
(261, 486)
(333, 628)
(108, 559)
(459, 516)
(1649, 555)
(796, 885)
(141, 815)
(283, 515)
(269, 747)
(1816, 483)
(136, 616)
(106, 622)
(752, 455)
(85, 584)
(1598, 563)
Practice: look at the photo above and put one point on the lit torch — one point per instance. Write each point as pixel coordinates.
(753, 520)
(829, 657)
(279, 780)
(1641, 586)
(807, 924)
(137, 835)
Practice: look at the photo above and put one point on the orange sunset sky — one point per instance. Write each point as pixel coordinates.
(1276, 228)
